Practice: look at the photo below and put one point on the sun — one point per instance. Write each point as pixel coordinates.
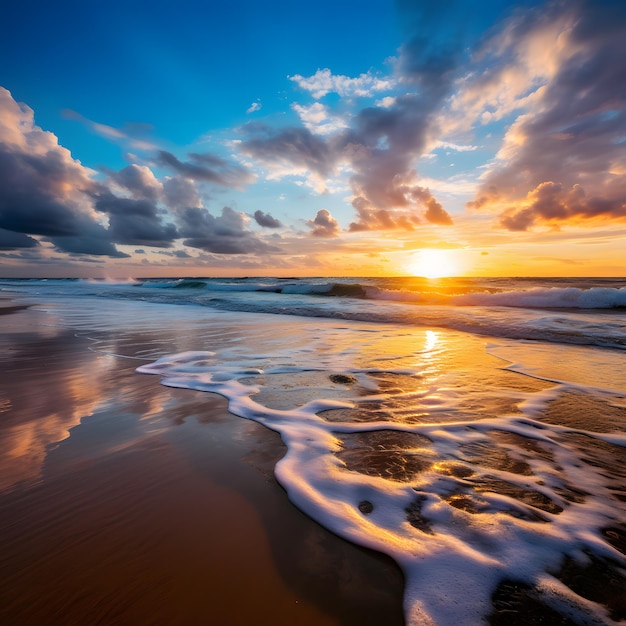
(434, 263)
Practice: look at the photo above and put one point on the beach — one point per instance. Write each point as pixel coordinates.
(169, 462)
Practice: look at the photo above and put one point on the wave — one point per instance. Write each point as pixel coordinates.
(579, 312)
(550, 298)
(336, 290)
(209, 284)
(461, 295)
(534, 298)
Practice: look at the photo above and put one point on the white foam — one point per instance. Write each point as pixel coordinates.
(568, 297)
(453, 567)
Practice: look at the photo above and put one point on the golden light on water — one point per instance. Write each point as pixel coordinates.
(431, 340)
(434, 263)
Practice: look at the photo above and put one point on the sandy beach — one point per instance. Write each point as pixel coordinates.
(124, 502)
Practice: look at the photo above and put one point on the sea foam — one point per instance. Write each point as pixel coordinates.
(492, 495)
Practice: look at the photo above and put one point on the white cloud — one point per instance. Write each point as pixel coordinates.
(512, 68)
(255, 106)
(447, 145)
(386, 102)
(324, 82)
(318, 119)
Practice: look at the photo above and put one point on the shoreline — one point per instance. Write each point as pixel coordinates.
(136, 503)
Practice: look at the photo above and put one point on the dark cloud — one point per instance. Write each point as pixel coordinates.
(371, 218)
(43, 190)
(208, 159)
(176, 254)
(208, 168)
(435, 213)
(383, 143)
(95, 243)
(33, 197)
(12, 241)
(383, 147)
(566, 159)
(266, 220)
(324, 225)
(429, 68)
(551, 203)
(139, 180)
(224, 234)
(135, 222)
(296, 147)
(180, 192)
(38, 196)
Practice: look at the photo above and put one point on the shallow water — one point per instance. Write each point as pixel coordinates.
(584, 311)
(467, 473)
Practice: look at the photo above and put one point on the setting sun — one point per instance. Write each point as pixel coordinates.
(431, 263)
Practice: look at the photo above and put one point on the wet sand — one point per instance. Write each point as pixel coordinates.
(124, 502)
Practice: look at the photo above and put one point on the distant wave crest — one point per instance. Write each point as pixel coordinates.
(549, 298)
(539, 297)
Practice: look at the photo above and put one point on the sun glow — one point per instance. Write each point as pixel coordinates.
(432, 263)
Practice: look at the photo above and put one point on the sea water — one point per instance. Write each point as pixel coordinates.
(473, 430)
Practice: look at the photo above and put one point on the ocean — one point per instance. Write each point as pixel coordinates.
(470, 428)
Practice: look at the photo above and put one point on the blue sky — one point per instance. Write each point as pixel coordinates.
(332, 138)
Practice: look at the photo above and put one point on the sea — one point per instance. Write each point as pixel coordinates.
(473, 429)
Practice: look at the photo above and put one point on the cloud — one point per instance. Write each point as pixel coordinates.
(255, 106)
(378, 146)
(386, 102)
(224, 234)
(563, 158)
(266, 220)
(447, 145)
(510, 68)
(208, 168)
(382, 148)
(294, 146)
(12, 241)
(93, 239)
(132, 133)
(372, 218)
(138, 180)
(435, 213)
(179, 192)
(324, 82)
(178, 254)
(551, 203)
(324, 225)
(290, 152)
(135, 222)
(318, 119)
(43, 190)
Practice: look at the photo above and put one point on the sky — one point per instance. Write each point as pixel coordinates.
(351, 138)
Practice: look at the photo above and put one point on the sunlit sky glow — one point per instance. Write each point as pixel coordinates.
(337, 138)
